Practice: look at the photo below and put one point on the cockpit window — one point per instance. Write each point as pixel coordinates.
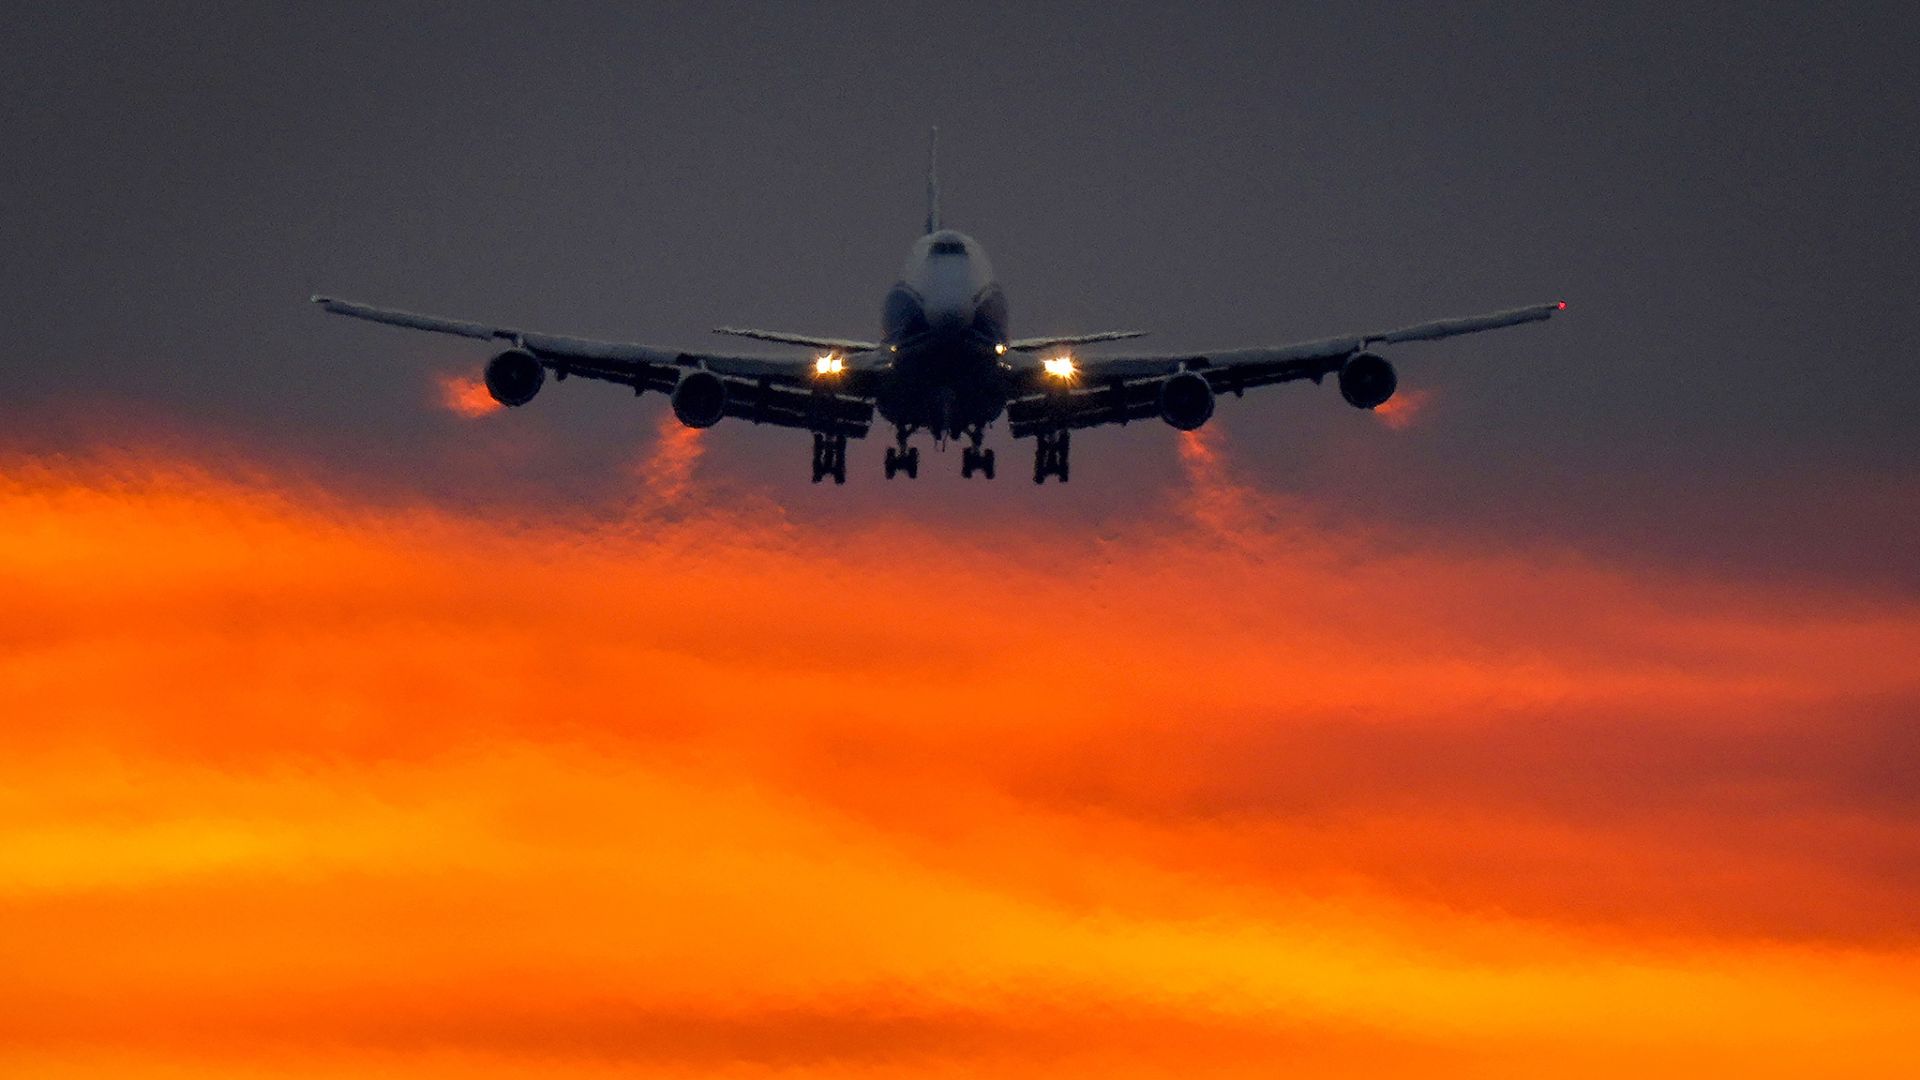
(948, 247)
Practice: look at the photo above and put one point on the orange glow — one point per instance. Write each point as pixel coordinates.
(465, 395)
(1059, 367)
(830, 364)
(1402, 409)
(294, 785)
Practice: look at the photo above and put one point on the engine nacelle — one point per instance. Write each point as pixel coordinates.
(700, 399)
(1367, 381)
(1186, 401)
(514, 377)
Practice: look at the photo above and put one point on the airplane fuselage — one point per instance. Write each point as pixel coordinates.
(945, 323)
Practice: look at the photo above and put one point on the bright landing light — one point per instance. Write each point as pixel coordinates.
(830, 364)
(1060, 367)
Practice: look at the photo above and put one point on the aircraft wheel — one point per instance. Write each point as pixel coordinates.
(913, 463)
(829, 457)
(986, 463)
(1050, 456)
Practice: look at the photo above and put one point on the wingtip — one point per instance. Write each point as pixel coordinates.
(316, 298)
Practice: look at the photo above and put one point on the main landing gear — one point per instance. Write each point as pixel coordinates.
(906, 459)
(829, 457)
(975, 458)
(903, 459)
(1050, 456)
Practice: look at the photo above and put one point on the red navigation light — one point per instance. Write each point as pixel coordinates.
(1561, 306)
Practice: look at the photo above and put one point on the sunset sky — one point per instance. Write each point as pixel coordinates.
(1559, 720)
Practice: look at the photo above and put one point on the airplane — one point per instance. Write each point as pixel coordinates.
(944, 364)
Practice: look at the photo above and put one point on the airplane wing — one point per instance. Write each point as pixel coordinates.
(772, 390)
(1118, 389)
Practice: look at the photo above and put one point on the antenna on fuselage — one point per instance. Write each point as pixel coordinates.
(933, 180)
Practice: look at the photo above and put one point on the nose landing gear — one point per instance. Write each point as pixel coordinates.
(829, 457)
(1050, 456)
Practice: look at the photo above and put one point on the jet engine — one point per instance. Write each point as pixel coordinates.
(514, 377)
(1186, 401)
(1367, 381)
(700, 399)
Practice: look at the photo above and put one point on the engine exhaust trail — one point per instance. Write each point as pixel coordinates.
(1214, 498)
(667, 472)
(465, 395)
(1401, 410)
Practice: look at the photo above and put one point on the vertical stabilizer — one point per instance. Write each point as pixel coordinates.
(933, 180)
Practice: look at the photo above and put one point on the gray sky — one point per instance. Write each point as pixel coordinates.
(1724, 197)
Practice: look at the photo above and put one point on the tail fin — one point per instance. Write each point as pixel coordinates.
(933, 181)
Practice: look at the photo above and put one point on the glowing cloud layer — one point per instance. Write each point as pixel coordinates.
(295, 786)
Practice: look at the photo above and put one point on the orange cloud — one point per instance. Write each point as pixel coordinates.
(299, 786)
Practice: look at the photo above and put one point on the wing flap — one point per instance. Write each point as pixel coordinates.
(1036, 343)
(1118, 402)
(811, 341)
(762, 402)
